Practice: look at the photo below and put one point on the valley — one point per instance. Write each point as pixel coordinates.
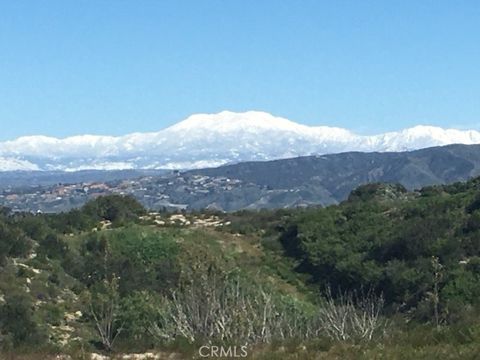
(287, 183)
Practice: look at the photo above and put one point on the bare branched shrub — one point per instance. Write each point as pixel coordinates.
(227, 308)
(105, 310)
(352, 317)
(103, 303)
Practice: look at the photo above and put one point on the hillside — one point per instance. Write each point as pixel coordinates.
(112, 278)
(289, 183)
(330, 178)
(25, 179)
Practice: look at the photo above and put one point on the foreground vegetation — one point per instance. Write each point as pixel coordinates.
(387, 274)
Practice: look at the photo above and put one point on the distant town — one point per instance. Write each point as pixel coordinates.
(175, 191)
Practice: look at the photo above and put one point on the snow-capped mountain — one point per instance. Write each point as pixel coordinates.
(206, 140)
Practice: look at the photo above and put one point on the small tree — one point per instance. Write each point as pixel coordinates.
(435, 294)
(103, 301)
(104, 307)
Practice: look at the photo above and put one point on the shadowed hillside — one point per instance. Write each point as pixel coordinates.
(330, 178)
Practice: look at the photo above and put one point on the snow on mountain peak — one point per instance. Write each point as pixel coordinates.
(230, 121)
(204, 140)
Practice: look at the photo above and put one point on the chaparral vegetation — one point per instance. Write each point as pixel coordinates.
(387, 274)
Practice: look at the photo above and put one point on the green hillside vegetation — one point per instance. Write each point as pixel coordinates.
(386, 274)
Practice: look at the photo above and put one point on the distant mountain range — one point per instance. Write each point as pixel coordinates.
(295, 182)
(329, 179)
(29, 179)
(208, 140)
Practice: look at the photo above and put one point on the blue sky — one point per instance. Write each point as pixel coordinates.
(115, 67)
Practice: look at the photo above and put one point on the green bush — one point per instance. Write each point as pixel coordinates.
(17, 320)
